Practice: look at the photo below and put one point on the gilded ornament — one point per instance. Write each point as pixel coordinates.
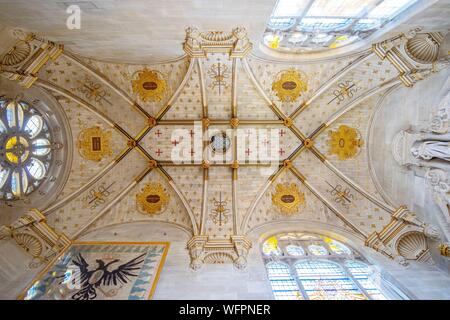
(94, 143)
(287, 198)
(152, 199)
(149, 85)
(219, 75)
(220, 214)
(289, 85)
(345, 142)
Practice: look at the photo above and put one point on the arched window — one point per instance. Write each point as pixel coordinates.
(25, 149)
(314, 267)
(317, 25)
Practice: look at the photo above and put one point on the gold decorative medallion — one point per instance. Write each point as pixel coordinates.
(94, 143)
(150, 85)
(345, 142)
(289, 85)
(152, 199)
(287, 198)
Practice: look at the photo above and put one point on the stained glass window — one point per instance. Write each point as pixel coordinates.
(361, 273)
(295, 250)
(316, 25)
(26, 146)
(283, 284)
(324, 280)
(299, 266)
(270, 247)
(317, 250)
(336, 246)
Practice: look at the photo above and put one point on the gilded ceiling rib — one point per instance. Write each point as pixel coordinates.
(86, 185)
(106, 81)
(53, 87)
(113, 201)
(204, 100)
(329, 205)
(185, 203)
(169, 104)
(202, 89)
(362, 97)
(339, 75)
(235, 166)
(386, 207)
(234, 89)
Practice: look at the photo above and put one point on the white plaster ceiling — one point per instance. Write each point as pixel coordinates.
(152, 31)
(134, 30)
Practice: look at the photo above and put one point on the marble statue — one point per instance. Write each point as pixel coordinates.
(428, 150)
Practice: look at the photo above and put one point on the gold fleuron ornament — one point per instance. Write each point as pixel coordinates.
(149, 85)
(287, 198)
(152, 199)
(94, 143)
(290, 85)
(345, 142)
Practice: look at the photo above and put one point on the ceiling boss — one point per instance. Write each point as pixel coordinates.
(290, 85)
(150, 85)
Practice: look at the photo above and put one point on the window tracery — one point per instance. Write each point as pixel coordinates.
(308, 266)
(316, 25)
(25, 148)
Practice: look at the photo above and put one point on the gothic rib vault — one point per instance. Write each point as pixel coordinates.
(316, 116)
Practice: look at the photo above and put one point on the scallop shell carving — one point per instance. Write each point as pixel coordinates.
(29, 243)
(17, 54)
(424, 47)
(412, 245)
(217, 36)
(218, 258)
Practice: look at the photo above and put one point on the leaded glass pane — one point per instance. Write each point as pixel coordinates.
(283, 284)
(361, 272)
(323, 280)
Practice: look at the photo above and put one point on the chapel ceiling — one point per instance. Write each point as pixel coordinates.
(281, 142)
(122, 31)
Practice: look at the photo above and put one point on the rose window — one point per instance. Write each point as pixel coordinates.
(25, 149)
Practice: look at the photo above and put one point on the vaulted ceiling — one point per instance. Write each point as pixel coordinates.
(126, 120)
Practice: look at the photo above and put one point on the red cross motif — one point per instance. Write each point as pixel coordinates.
(266, 142)
(282, 132)
(158, 133)
(158, 152)
(281, 151)
(191, 132)
(192, 152)
(247, 152)
(175, 142)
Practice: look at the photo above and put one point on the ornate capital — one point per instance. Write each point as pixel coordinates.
(233, 250)
(198, 44)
